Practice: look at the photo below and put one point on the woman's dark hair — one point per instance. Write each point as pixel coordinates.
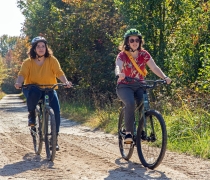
(32, 54)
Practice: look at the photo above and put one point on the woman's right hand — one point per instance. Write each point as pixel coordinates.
(18, 85)
(121, 76)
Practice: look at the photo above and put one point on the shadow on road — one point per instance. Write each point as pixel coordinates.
(134, 171)
(30, 161)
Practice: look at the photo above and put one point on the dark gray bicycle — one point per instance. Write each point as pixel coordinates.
(150, 135)
(45, 127)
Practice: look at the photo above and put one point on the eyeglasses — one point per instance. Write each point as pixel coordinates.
(132, 40)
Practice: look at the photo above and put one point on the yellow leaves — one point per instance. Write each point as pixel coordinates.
(195, 38)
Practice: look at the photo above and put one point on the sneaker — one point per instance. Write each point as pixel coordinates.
(128, 139)
(31, 118)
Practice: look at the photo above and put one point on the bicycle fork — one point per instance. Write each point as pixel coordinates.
(144, 134)
(46, 103)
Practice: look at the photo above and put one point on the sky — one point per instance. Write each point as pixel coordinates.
(11, 18)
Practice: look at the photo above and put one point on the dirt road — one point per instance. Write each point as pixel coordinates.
(84, 154)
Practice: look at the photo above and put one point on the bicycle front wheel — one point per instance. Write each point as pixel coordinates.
(36, 132)
(151, 139)
(50, 134)
(126, 150)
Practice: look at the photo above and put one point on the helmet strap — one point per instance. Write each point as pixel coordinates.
(133, 50)
(39, 57)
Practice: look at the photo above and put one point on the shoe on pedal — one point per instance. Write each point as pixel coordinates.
(31, 118)
(128, 139)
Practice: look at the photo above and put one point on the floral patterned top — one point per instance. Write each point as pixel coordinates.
(129, 69)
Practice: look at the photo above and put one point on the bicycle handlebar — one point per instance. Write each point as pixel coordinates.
(46, 86)
(145, 83)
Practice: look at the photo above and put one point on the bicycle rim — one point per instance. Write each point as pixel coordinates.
(152, 141)
(36, 133)
(126, 150)
(50, 134)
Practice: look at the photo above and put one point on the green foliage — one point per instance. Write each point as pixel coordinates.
(203, 82)
(174, 32)
(189, 132)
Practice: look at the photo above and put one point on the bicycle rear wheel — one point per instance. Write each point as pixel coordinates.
(36, 132)
(50, 134)
(126, 150)
(151, 139)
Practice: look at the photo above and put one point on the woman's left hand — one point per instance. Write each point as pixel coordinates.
(168, 80)
(68, 84)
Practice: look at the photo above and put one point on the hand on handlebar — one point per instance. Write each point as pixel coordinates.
(121, 76)
(168, 80)
(18, 85)
(68, 84)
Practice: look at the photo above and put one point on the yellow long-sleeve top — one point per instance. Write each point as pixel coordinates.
(44, 74)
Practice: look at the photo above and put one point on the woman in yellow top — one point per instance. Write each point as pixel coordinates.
(41, 68)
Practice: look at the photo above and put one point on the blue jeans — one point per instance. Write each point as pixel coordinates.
(128, 93)
(33, 95)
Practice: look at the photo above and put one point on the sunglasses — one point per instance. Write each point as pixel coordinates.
(132, 40)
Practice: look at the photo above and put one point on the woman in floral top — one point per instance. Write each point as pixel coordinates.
(132, 49)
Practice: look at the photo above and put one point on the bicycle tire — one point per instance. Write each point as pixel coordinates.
(151, 148)
(126, 150)
(36, 132)
(50, 134)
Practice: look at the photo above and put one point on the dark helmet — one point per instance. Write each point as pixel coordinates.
(132, 32)
(38, 39)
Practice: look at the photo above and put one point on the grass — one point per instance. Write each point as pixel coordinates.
(189, 132)
(99, 119)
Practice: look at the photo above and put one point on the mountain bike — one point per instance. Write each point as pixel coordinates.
(45, 126)
(150, 135)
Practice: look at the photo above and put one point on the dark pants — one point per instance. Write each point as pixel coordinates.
(128, 93)
(33, 95)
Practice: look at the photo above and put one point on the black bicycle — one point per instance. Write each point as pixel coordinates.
(150, 135)
(45, 126)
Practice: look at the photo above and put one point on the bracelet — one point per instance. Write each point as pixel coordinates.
(165, 77)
